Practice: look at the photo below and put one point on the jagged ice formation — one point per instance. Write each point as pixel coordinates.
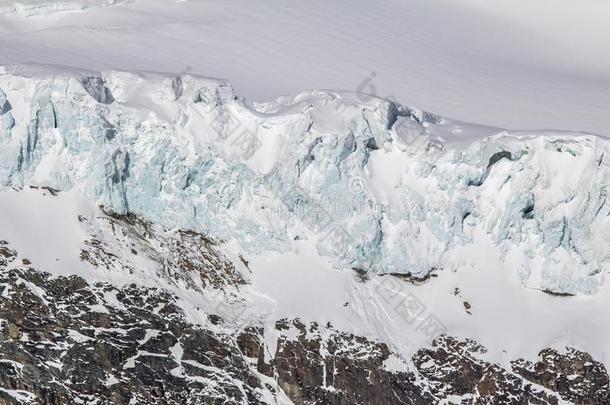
(381, 187)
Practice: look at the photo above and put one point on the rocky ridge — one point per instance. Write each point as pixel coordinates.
(65, 340)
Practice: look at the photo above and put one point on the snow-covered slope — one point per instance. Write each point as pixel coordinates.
(71, 339)
(514, 64)
(28, 8)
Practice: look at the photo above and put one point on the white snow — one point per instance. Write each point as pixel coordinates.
(77, 336)
(44, 229)
(523, 64)
(18, 367)
(28, 8)
(509, 320)
(22, 396)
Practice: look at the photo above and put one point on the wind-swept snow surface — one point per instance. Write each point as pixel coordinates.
(513, 64)
(28, 8)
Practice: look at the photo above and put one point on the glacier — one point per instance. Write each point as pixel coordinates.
(379, 187)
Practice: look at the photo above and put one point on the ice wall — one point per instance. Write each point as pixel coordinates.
(379, 186)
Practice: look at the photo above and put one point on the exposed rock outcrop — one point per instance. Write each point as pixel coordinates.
(64, 339)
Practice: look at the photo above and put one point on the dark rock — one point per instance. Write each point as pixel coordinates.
(575, 375)
(96, 87)
(62, 350)
(339, 368)
(65, 340)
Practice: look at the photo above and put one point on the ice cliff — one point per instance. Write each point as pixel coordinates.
(381, 187)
